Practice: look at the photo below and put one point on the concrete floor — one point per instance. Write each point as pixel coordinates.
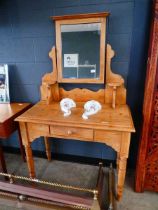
(81, 175)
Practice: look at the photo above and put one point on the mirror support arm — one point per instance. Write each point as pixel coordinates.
(115, 92)
(49, 87)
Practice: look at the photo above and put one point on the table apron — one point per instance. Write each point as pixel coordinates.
(31, 131)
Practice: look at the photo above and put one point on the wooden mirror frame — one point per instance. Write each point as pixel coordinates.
(113, 93)
(80, 19)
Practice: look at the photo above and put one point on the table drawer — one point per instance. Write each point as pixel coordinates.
(72, 133)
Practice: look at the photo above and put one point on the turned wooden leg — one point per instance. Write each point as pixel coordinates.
(117, 160)
(122, 162)
(121, 176)
(48, 148)
(22, 150)
(30, 161)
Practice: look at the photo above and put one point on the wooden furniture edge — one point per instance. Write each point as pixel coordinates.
(79, 16)
(56, 123)
(28, 105)
(58, 24)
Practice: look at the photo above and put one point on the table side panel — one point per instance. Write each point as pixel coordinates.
(36, 130)
(111, 138)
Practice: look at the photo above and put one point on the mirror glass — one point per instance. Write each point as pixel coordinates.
(81, 50)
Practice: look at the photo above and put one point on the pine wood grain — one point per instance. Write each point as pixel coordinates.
(118, 119)
(112, 125)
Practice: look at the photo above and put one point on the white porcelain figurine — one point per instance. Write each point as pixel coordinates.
(91, 107)
(66, 105)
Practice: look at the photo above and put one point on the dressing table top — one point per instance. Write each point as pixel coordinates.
(118, 119)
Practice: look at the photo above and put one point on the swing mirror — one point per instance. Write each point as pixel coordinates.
(81, 49)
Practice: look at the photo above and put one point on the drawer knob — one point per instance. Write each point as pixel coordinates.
(69, 132)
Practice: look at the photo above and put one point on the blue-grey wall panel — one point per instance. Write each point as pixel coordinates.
(31, 23)
(137, 68)
(121, 67)
(121, 43)
(66, 3)
(88, 149)
(24, 93)
(66, 10)
(6, 50)
(122, 21)
(28, 73)
(87, 2)
(12, 141)
(34, 5)
(42, 47)
(5, 30)
(23, 50)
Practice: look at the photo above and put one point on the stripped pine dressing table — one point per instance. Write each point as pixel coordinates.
(112, 125)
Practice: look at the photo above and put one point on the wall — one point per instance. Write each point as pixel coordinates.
(27, 34)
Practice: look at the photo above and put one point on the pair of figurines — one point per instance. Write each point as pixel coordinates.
(90, 107)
